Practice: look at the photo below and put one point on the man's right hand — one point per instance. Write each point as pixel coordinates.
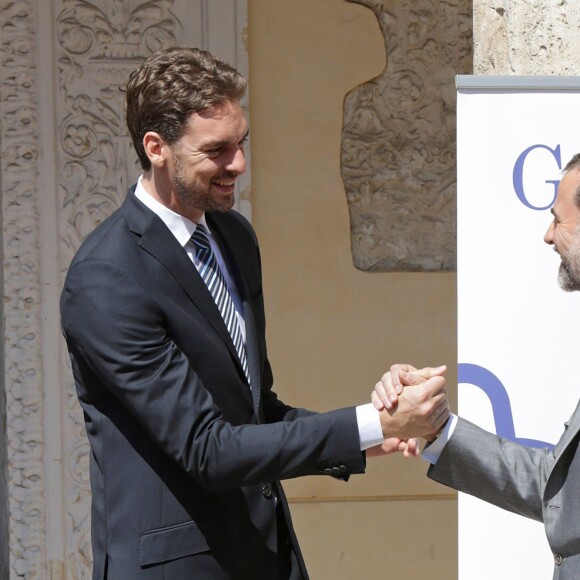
(391, 385)
(421, 408)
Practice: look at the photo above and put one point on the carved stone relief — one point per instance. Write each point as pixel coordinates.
(99, 43)
(398, 146)
(89, 49)
(21, 271)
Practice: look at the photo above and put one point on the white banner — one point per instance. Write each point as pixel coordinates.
(518, 331)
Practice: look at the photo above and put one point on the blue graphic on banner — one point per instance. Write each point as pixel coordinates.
(518, 175)
(500, 402)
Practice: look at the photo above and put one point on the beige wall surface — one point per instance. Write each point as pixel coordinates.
(333, 330)
(378, 540)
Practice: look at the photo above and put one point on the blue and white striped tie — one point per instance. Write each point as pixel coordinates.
(208, 268)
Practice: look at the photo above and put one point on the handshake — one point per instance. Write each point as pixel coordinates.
(411, 403)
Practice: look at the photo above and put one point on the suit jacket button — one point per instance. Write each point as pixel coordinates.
(335, 471)
(558, 559)
(267, 490)
(342, 469)
(327, 471)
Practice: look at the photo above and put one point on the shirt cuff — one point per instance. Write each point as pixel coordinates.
(369, 426)
(433, 450)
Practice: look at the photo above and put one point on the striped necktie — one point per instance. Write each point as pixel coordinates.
(208, 268)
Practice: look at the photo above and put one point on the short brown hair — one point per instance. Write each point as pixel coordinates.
(170, 86)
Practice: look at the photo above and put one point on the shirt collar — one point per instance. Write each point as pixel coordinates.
(181, 227)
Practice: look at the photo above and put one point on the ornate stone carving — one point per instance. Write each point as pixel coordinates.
(90, 47)
(99, 44)
(21, 268)
(398, 147)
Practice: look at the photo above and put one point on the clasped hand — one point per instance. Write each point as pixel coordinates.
(411, 403)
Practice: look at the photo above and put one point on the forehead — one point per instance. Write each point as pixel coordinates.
(566, 206)
(225, 123)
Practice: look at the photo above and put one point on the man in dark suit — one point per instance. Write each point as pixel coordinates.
(541, 484)
(163, 315)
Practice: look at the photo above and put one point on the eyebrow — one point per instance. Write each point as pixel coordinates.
(224, 143)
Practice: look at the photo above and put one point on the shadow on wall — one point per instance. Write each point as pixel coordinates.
(398, 158)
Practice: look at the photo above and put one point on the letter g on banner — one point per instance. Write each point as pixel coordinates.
(518, 175)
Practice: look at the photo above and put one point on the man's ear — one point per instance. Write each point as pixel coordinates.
(156, 149)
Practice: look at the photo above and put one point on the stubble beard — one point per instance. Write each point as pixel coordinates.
(194, 197)
(569, 272)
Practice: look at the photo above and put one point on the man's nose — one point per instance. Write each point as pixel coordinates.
(549, 236)
(238, 162)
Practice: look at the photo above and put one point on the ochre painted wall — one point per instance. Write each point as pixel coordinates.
(333, 330)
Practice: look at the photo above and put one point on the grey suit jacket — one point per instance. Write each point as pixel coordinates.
(537, 483)
(185, 457)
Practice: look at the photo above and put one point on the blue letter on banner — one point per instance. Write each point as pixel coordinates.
(519, 172)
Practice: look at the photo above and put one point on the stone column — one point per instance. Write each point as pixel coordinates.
(66, 162)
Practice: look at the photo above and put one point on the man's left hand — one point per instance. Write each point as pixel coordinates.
(409, 448)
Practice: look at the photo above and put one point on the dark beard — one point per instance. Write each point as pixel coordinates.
(194, 198)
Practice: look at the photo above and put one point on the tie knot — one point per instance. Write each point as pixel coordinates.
(200, 238)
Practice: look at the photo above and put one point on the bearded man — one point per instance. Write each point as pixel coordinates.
(542, 484)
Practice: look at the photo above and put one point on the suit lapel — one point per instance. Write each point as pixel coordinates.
(253, 357)
(568, 437)
(572, 430)
(158, 241)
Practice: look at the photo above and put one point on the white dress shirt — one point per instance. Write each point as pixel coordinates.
(432, 451)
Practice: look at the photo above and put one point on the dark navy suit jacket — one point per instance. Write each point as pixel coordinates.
(185, 457)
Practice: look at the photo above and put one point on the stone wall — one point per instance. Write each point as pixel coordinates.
(22, 288)
(526, 38)
(398, 148)
(398, 151)
(4, 515)
(66, 163)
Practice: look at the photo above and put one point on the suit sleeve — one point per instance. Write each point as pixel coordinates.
(496, 470)
(274, 409)
(119, 348)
